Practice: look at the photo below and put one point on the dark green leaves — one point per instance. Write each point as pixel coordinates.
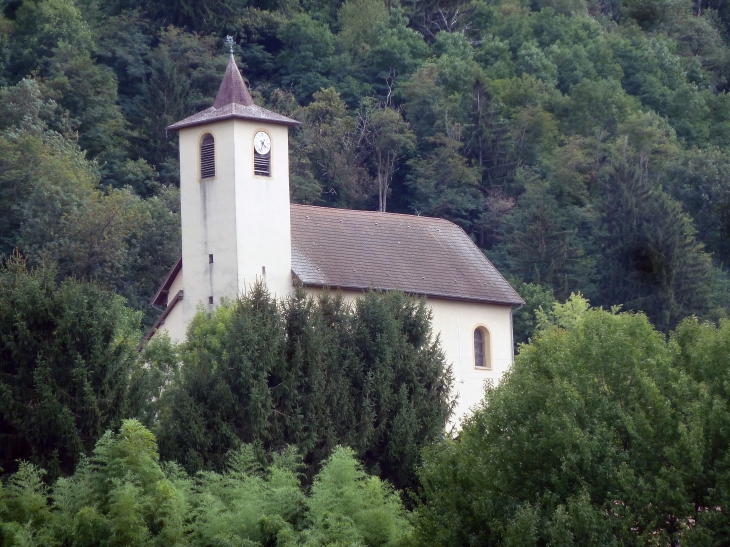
(65, 355)
(602, 434)
(315, 373)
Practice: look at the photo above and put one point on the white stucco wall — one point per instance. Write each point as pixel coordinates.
(243, 220)
(455, 322)
(263, 226)
(174, 324)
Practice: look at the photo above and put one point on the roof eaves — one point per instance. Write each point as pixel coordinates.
(183, 123)
(521, 301)
(454, 297)
(165, 287)
(160, 320)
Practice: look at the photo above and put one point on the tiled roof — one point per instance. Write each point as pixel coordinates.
(233, 110)
(233, 101)
(348, 249)
(233, 88)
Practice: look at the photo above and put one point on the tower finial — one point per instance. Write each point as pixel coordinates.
(230, 42)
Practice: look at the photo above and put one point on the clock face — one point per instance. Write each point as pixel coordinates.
(262, 143)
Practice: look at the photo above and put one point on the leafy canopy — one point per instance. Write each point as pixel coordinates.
(604, 433)
(312, 372)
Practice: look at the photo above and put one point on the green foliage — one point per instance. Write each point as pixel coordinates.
(345, 501)
(525, 319)
(508, 117)
(543, 242)
(314, 373)
(651, 255)
(65, 357)
(603, 433)
(52, 211)
(306, 57)
(388, 139)
(445, 185)
(181, 75)
(123, 495)
(326, 154)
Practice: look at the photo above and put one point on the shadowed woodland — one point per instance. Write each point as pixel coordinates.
(584, 145)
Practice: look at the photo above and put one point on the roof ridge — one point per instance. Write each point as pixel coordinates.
(362, 211)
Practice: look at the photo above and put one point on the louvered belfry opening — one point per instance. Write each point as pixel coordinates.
(207, 157)
(262, 164)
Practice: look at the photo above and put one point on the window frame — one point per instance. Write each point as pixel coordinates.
(200, 157)
(269, 156)
(486, 343)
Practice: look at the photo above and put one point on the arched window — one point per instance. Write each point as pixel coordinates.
(482, 348)
(207, 157)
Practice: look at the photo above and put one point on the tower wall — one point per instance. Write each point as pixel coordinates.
(242, 219)
(262, 211)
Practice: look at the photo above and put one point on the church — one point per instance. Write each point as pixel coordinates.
(239, 227)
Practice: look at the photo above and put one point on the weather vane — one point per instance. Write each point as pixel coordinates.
(230, 42)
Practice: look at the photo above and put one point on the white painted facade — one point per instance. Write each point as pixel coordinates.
(239, 219)
(174, 323)
(243, 221)
(455, 323)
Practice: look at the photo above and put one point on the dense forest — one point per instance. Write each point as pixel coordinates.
(604, 432)
(583, 144)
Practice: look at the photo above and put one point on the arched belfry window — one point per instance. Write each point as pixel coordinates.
(482, 349)
(262, 154)
(207, 157)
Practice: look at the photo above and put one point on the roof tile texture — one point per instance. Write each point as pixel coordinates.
(348, 249)
(232, 88)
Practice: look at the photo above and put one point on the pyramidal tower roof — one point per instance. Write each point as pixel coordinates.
(233, 101)
(233, 88)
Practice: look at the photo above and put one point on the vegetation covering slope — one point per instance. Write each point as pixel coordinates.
(604, 433)
(582, 143)
(307, 373)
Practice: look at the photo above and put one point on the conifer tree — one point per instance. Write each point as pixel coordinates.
(313, 373)
(652, 261)
(65, 358)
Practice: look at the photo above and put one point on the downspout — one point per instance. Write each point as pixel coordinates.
(512, 330)
(458, 327)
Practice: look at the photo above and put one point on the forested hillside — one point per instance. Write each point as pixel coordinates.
(584, 144)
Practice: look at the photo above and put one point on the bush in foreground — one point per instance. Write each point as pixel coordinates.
(312, 373)
(604, 433)
(123, 495)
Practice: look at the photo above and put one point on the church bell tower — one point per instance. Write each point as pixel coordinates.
(234, 191)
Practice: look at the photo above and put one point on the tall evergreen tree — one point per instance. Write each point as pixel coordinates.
(652, 261)
(313, 374)
(65, 358)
